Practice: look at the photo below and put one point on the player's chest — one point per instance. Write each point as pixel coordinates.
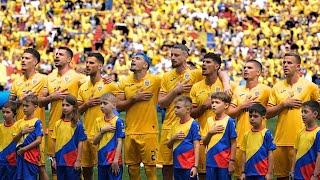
(296, 91)
(174, 79)
(203, 93)
(96, 90)
(131, 87)
(34, 85)
(244, 95)
(62, 83)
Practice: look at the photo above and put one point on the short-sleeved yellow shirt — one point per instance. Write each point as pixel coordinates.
(36, 83)
(89, 90)
(141, 118)
(241, 93)
(289, 122)
(169, 82)
(199, 93)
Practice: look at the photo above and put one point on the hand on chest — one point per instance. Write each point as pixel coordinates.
(132, 88)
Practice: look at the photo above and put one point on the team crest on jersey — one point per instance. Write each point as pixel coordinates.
(187, 76)
(299, 89)
(34, 81)
(147, 82)
(282, 91)
(99, 88)
(218, 89)
(256, 93)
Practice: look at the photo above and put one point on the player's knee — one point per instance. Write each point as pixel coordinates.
(151, 172)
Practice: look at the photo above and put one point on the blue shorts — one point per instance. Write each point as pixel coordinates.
(255, 177)
(8, 172)
(183, 174)
(217, 173)
(105, 172)
(68, 172)
(26, 170)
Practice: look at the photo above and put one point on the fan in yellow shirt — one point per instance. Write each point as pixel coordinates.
(89, 97)
(285, 101)
(243, 98)
(139, 98)
(200, 94)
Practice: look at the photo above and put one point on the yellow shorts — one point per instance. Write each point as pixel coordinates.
(89, 154)
(165, 154)
(202, 158)
(50, 144)
(283, 160)
(238, 162)
(141, 148)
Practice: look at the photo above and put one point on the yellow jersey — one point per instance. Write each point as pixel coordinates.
(307, 147)
(89, 90)
(141, 118)
(35, 83)
(199, 93)
(241, 94)
(70, 81)
(289, 122)
(100, 122)
(7, 145)
(169, 81)
(67, 138)
(32, 155)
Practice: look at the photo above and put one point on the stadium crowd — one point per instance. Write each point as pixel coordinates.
(238, 30)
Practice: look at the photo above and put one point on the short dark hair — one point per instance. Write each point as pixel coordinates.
(221, 96)
(97, 55)
(296, 56)
(31, 98)
(215, 57)
(185, 99)
(257, 63)
(12, 105)
(313, 105)
(258, 108)
(181, 47)
(69, 51)
(34, 53)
